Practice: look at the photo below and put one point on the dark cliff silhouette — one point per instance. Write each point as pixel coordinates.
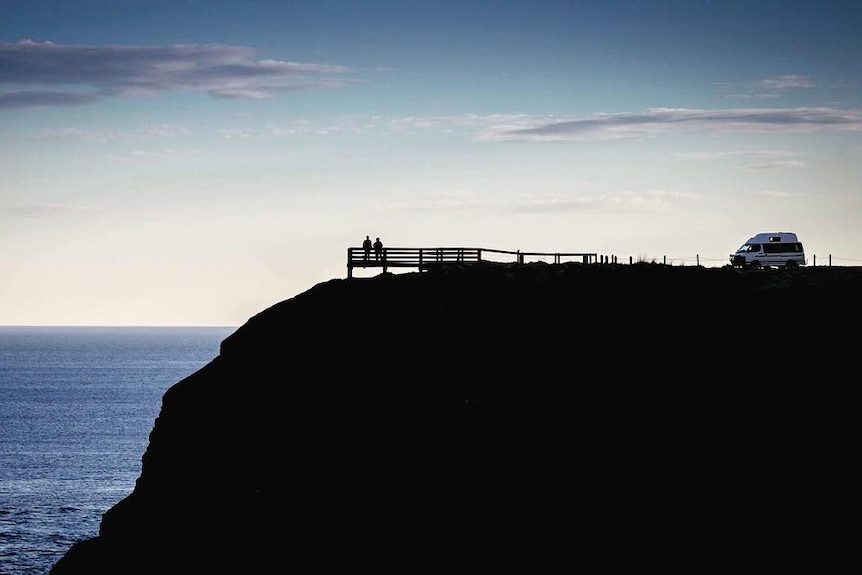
(499, 414)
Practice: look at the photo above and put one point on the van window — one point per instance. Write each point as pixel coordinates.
(782, 248)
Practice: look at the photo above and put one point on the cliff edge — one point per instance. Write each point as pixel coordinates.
(499, 414)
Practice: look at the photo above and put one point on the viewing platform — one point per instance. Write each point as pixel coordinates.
(425, 258)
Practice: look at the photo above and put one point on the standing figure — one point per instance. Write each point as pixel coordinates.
(366, 245)
(378, 249)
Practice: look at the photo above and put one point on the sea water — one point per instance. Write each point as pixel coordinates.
(77, 405)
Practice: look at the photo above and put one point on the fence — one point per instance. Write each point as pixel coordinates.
(425, 258)
(698, 260)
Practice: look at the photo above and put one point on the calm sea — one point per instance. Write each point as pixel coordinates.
(77, 405)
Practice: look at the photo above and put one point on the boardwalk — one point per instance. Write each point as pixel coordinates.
(425, 258)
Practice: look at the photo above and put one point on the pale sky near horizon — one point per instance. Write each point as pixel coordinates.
(194, 162)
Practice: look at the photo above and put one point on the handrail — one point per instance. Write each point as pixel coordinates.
(424, 258)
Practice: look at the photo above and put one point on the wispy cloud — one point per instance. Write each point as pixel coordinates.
(137, 155)
(778, 164)
(769, 88)
(770, 159)
(662, 120)
(104, 136)
(654, 201)
(626, 201)
(631, 126)
(771, 194)
(298, 127)
(788, 81)
(735, 154)
(41, 98)
(48, 74)
(371, 124)
(43, 210)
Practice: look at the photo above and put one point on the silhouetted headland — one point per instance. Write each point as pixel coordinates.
(503, 415)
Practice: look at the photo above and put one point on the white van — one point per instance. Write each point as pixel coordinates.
(770, 249)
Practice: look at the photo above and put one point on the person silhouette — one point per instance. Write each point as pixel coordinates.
(378, 249)
(366, 245)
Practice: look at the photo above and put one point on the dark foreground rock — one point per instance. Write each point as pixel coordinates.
(509, 416)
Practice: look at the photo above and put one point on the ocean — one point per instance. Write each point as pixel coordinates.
(77, 405)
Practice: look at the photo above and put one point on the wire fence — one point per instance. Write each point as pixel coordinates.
(516, 256)
(697, 260)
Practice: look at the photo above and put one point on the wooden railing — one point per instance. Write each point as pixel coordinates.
(425, 258)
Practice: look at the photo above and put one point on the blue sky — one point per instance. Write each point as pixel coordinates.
(194, 162)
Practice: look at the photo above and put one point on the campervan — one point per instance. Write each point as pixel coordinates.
(770, 249)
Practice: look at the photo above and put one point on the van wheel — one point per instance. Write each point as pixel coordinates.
(791, 264)
(755, 265)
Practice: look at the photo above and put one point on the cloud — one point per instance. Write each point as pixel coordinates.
(771, 194)
(778, 164)
(631, 126)
(735, 154)
(774, 159)
(787, 82)
(371, 124)
(75, 75)
(42, 210)
(775, 87)
(160, 131)
(662, 120)
(650, 201)
(38, 99)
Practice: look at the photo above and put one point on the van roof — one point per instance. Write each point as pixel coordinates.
(767, 237)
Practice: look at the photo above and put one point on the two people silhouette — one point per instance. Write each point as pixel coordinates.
(367, 246)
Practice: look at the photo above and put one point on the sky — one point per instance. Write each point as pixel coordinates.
(192, 162)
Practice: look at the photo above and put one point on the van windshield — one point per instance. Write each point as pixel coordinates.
(748, 248)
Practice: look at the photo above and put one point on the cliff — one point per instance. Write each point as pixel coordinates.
(498, 414)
